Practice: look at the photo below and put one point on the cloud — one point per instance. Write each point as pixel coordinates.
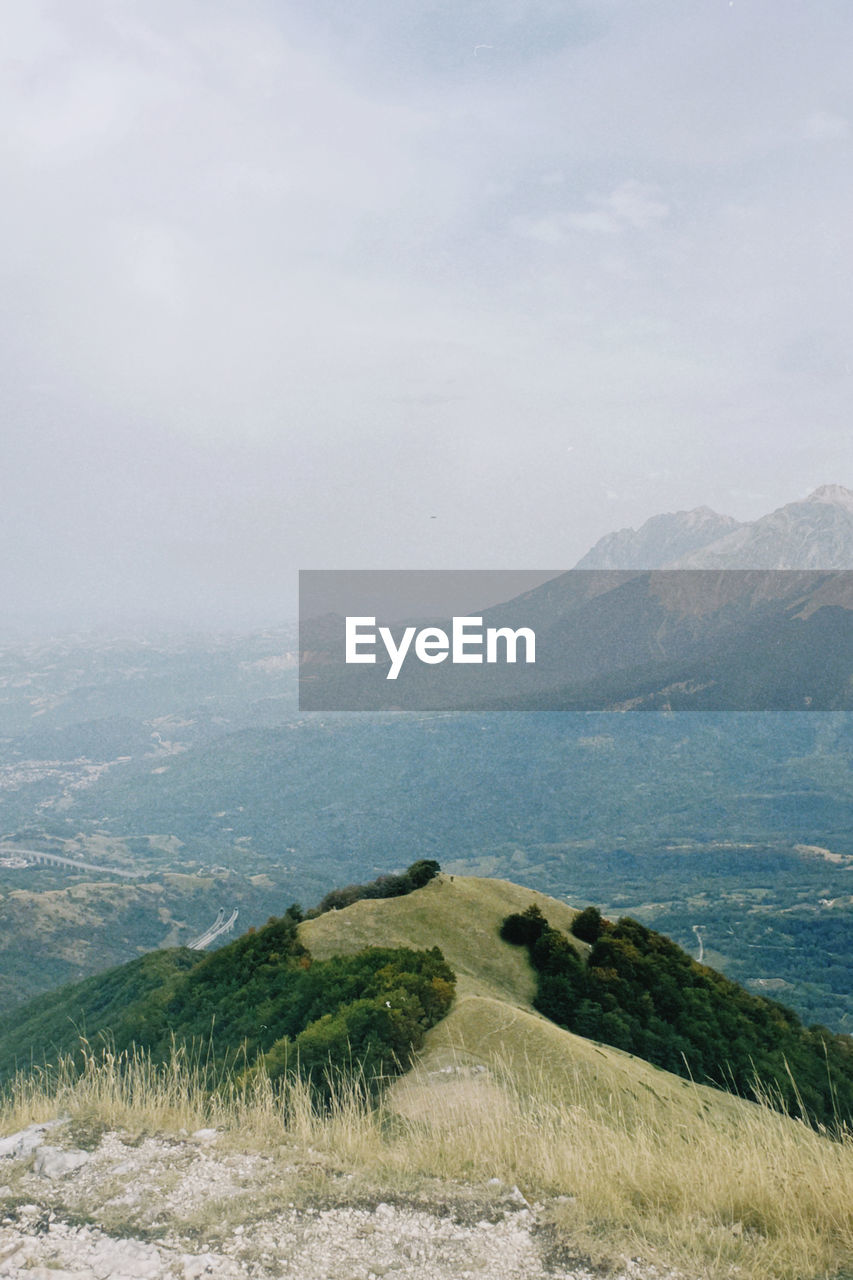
(629, 206)
(596, 221)
(824, 126)
(636, 203)
(284, 275)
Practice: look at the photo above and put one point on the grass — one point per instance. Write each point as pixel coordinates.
(766, 1198)
(460, 914)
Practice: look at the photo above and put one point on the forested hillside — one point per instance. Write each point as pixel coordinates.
(636, 990)
(261, 996)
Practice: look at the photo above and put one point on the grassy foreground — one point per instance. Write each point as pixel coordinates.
(764, 1198)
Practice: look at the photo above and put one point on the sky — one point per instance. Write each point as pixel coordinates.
(449, 284)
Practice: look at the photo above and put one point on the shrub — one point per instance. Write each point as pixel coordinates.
(588, 924)
(371, 1017)
(524, 928)
(421, 872)
(384, 886)
(637, 990)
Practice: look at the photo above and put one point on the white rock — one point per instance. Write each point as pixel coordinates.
(199, 1265)
(49, 1273)
(8, 1254)
(53, 1162)
(26, 1141)
(127, 1259)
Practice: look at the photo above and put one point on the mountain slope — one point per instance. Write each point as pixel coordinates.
(119, 999)
(593, 1151)
(660, 542)
(813, 533)
(365, 983)
(816, 533)
(713, 1025)
(492, 1021)
(491, 1024)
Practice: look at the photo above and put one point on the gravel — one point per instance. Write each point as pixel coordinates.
(197, 1207)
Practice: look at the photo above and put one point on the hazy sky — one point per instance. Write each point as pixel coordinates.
(283, 281)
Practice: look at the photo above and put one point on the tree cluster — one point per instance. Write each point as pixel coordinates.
(385, 886)
(638, 991)
(262, 999)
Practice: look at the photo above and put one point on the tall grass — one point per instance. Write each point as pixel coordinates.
(767, 1195)
(756, 1194)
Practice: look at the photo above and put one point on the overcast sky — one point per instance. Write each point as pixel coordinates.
(408, 283)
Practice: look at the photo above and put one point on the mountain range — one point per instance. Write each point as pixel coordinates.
(691, 611)
(814, 533)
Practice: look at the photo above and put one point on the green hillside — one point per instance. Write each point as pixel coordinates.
(627, 1159)
(461, 915)
(493, 1019)
(501, 996)
(638, 991)
(52, 936)
(373, 981)
(118, 1002)
(262, 997)
(258, 987)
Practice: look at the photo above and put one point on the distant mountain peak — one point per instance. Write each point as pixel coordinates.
(660, 541)
(815, 532)
(834, 494)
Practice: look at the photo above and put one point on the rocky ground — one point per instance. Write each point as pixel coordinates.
(104, 1205)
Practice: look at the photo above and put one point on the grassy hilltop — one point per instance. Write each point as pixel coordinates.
(497, 1005)
(621, 1156)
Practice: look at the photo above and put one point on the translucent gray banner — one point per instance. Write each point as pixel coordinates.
(583, 640)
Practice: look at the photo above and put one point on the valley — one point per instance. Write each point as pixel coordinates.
(695, 820)
(181, 768)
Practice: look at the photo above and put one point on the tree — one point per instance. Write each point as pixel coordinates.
(588, 924)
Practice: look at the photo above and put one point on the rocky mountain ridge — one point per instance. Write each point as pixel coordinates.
(660, 542)
(484, 1161)
(814, 533)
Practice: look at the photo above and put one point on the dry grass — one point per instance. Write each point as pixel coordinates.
(764, 1198)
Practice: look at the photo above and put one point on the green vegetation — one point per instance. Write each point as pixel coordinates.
(387, 999)
(262, 998)
(58, 926)
(588, 924)
(414, 877)
(117, 1002)
(638, 991)
(678, 820)
(627, 1160)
